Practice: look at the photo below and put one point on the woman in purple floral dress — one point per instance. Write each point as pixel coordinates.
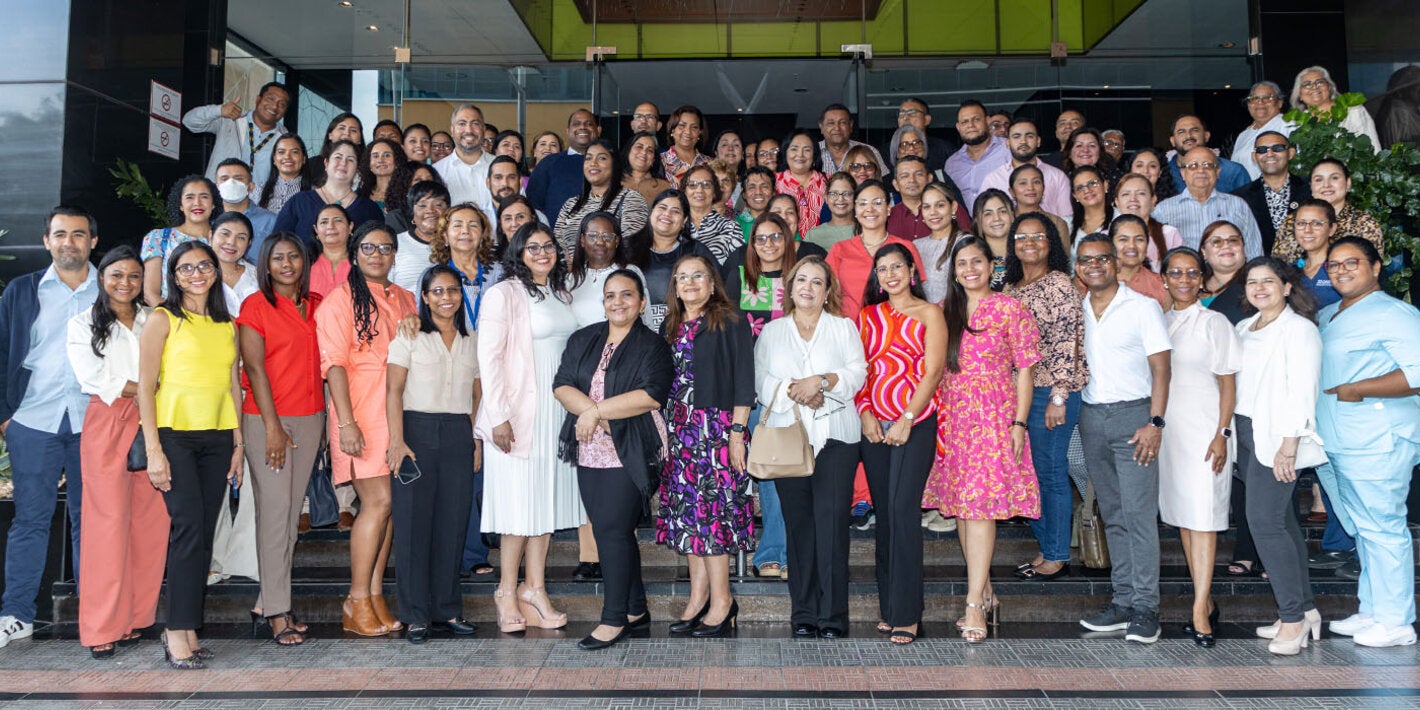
(705, 497)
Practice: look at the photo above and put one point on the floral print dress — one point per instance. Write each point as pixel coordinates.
(705, 504)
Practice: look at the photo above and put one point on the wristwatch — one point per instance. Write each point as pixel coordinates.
(1057, 400)
(1226, 432)
(823, 383)
(737, 428)
(1156, 422)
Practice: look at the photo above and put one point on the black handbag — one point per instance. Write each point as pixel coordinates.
(325, 509)
(138, 453)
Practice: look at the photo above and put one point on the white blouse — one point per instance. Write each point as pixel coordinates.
(104, 376)
(781, 355)
(587, 297)
(246, 286)
(441, 378)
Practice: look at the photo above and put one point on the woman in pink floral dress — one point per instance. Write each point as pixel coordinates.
(983, 472)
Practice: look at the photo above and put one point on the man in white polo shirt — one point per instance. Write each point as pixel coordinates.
(1121, 426)
(465, 171)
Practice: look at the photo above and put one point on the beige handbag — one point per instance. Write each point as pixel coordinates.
(780, 452)
(1094, 551)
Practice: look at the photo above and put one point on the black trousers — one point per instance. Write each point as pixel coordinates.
(198, 462)
(816, 512)
(431, 516)
(896, 477)
(613, 506)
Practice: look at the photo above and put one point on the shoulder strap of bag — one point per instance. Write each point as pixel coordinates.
(770, 407)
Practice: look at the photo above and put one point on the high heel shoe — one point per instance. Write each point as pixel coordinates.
(992, 605)
(720, 629)
(970, 633)
(191, 663)
(358, 617)
(1295, 645)
(382, 612)
(1204, 640)
(530, 603)
(1312, 617)
(258, 623)
(685, 626)
(508, 623)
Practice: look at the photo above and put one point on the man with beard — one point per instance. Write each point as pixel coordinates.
(1189, 132)
(504, 180)
(465, 171)
(1023, 140)
(979, 154)
(558, 177)
(249, 136)
(41, 406)
(1277, 192)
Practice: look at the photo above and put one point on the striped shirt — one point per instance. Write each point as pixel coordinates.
(1190, 217)
(896, 347)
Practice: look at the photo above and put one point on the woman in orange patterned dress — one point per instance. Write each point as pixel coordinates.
(983, 472)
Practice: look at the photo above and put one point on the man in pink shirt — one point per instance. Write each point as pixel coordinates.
(1023, 138)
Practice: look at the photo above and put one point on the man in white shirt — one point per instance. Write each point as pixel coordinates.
(980, 153)
(465, 171)
(1023, 140)
(250, 136)
(1121, 427)
(1264, 104)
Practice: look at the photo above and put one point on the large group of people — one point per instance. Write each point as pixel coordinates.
(492, 338)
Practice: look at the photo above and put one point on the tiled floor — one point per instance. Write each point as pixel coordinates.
(761, 668)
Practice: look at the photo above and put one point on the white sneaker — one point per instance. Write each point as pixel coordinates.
(12, 629)
(943, 525)
(1352, 625)
(1378, 635)
(930, 517)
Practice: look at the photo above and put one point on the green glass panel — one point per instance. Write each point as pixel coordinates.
(773, 39)
(958, 27)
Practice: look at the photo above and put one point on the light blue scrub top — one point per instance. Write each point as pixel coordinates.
(1375, 336)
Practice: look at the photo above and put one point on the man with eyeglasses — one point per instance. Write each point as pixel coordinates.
(1202, 203)
(1264, 104)
(1190, 132)
(646, 118)
(558, 177)
(836, 125)
(1277, 192)
(980, 154)
(1121, 428)
(42, 407)
(1023, 141)
(915, 112)
(1113, 144)
(465, 171)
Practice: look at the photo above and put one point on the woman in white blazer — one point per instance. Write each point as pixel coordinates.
(1276, 436)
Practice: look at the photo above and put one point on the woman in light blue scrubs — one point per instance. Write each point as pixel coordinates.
(1369, 417)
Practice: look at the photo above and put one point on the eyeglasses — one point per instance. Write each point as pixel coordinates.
(1346, 265)
(858, 167)
(909, 144)
(887, 269)
(875, 202)
(1113, 144)
(1034, 237)
(1190, 274)
(1274, 148)
(541, 248)
(1096, 259)
(908, 113)
(441, 144)
(687, 278)
(599, 237)
(774, 237)
(644, 117)
(840, 194)
(1205, 165)
(1312, 224)
(369, 249)
(1082, 187)
(1223, 241)
(203, 267)
(770, 153)
(1316, 84)
(1259, 98)
(441, 291)
(698, 185)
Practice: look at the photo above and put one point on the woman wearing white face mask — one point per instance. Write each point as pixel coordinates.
(336, 186)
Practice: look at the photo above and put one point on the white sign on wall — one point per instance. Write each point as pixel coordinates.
(163, 137)
(165, 103)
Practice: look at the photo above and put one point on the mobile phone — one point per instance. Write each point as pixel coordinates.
(408, 471)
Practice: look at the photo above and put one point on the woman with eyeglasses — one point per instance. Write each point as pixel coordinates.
(707, 225)
(188, 390)
(905, 343)
(939, 207)
(1130, 236)
(1331, 181)
(1038, 275)
(1223, 262)
(642, 170)
(983, 471)
(528, 491)
(808, 366)
(1316, 228)
(1195, 462)
(354, 326)
(802, 177)
(602, 191)
(1368, 415)
(1093, 213)
(705, 510)
(767, 153)
(852, 259)
(839, 201)
(433, 454)
(1315, 91)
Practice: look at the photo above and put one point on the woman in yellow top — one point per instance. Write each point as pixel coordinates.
(188, 392)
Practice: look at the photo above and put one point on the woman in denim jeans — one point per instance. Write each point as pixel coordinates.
(1037, 273)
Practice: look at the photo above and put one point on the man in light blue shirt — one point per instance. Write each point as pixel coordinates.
(980, 154)
(42, 407)
(1202, 204)
(234, 184)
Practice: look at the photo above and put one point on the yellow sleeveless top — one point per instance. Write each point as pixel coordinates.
(195, 375)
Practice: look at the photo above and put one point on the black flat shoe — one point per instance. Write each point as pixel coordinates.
(720, 629)
(825, 632)
(640, 623)
(417, 633)
(592, 643)
(458, 626)
(588, 572)
(805, 630)
(685, 626)
(1034, 574)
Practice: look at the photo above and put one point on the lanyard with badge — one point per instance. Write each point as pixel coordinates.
(253, 145)
(478, 300)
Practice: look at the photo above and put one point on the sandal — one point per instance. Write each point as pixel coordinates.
(903, 637)
(1242, 568)
(768, 569)
(103, 650)
(538, 611)
(482, 570)
(511, 622)
(280, 638)
(884, 627)
(975, 634)
(130, 639)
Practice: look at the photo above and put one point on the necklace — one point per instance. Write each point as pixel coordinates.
(326, 194)
(873, 247)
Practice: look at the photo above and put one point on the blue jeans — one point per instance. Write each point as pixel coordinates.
(1334, 538)
(1048, 449)
(771, 547)
(38, 458)
(475, 551)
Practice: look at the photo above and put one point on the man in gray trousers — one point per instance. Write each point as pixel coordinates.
(1121, 425)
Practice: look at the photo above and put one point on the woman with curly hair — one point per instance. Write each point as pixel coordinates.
(354, 326)
(192, 205)
(642, 170)
(1151, 163)
(382, 166)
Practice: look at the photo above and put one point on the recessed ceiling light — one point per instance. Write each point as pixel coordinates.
(740, 110)
(372, 28)
(346, 3)
(616, 112)
(1227, 86)
(1106, 86)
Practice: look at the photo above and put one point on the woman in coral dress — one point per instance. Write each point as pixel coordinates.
(983, 472)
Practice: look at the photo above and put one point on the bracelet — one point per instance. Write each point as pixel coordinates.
(240, 445)
(1020, 424)
(352, 422)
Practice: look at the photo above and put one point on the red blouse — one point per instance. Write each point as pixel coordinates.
(292, 354)
(895, 345)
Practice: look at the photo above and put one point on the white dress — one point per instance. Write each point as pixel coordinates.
(1204, 346)
(587, 297)
(234, 541)
(538, 494)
